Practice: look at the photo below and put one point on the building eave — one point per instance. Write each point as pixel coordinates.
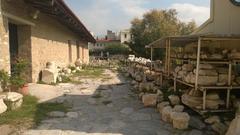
(59, 10)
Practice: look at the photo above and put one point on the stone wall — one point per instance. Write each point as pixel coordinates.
(53, 46)
(48, 39)
(4, 48)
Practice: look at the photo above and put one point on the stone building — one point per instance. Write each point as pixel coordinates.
(102, 44)
(40, 31)
(125, 36)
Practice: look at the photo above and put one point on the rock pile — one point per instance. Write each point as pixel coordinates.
(52, 73)
(194, 100)
(147, 83)
(212, 55)
(208, 75)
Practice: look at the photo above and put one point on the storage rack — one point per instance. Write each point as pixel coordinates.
(175, 41)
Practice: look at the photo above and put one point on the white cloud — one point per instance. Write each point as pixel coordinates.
(132, 7)
(102, 15)
(95, 17)
(111, 14)
(188, 12)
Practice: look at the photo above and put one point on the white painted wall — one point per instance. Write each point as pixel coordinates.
(225, 19)
(125, 36)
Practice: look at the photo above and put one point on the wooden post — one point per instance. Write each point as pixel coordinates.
(161, 79)
(175, 83)
(198, 63)
(228, 98)
(166, 57)
(204, 99)
(169, 55)
(230, 74)
(229, 84)
(151, 58)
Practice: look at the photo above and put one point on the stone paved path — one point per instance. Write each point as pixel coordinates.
(105, 108)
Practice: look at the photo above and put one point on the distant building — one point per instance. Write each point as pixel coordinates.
(102, 43)
(125, 36)
(111, 35)
(110, 38)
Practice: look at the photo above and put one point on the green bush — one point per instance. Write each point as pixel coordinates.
(4, 79)
(17, 78)
(114, 49)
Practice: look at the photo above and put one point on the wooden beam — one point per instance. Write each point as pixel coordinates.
(18, 19)
(198, 62)
(151, 58)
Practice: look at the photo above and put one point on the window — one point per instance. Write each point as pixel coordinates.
(125, 35)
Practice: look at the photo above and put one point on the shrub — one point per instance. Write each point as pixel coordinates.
(114, 49)
(17, 78)
(4, 79)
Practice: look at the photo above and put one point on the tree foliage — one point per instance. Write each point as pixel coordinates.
(112, 49)
(154, 25)
(115, 49)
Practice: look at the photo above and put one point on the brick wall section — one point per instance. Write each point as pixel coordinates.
(52, 46)
(48, 40)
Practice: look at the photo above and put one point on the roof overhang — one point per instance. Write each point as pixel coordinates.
(184, 40)
(59, 10)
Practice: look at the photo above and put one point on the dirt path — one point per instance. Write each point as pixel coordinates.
(104, 108)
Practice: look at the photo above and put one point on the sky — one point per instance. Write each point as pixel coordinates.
(102, 15)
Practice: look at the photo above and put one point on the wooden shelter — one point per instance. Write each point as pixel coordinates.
(199, 41)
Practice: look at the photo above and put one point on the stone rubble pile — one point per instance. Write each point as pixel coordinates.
(147, 83)
(212, 55)
(194, 99)
(208, 74)
(170, 107)
(52, 73)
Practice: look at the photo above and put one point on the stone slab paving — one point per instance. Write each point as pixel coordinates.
(117, 111)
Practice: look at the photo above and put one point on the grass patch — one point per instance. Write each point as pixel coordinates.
(44, 108)
(90, 73)
(30, 112)
(26, 112)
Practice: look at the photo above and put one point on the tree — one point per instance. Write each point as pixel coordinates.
(117, 49)
(154, 25)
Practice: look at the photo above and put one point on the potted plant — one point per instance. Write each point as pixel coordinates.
(17, 79)
(4, 80)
